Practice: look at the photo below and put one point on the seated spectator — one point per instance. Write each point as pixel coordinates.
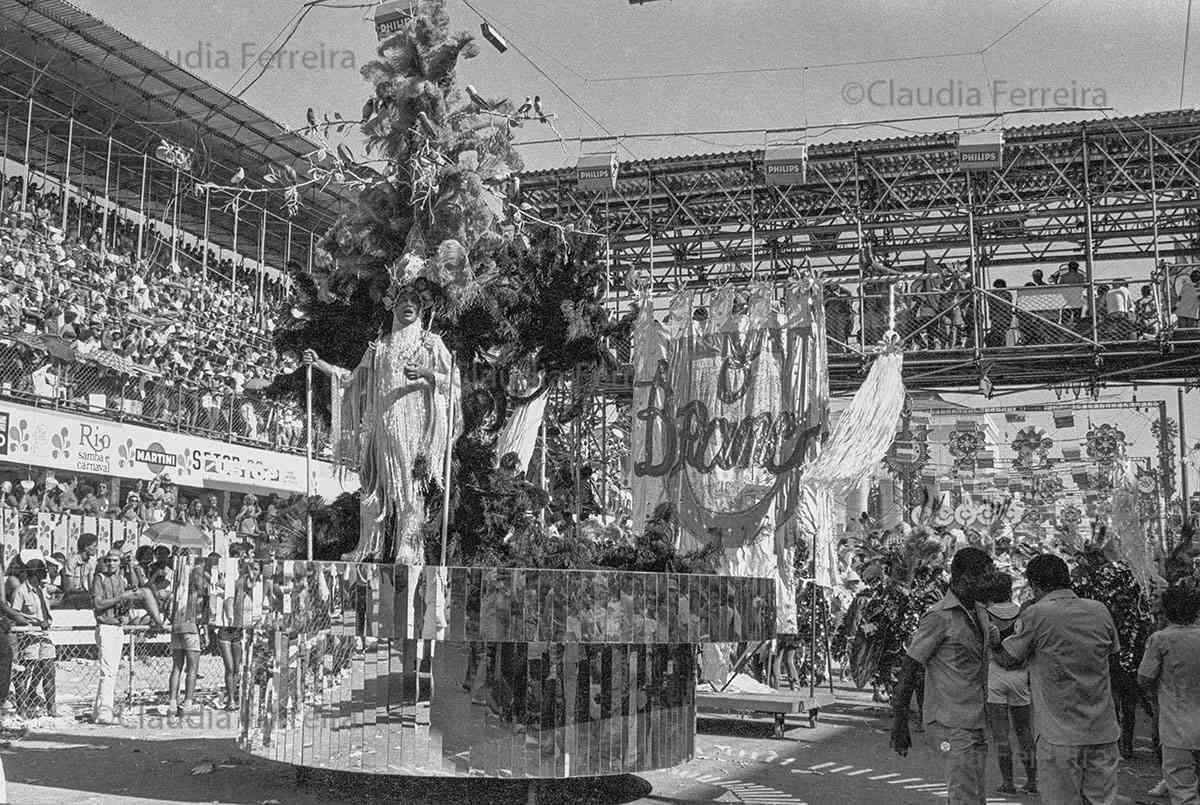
(79, 571)
(247, 518)
(132, 510)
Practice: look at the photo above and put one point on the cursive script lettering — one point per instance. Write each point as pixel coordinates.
(692, 437)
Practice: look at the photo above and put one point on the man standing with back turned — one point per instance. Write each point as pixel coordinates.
(1067, 641)
(950, 644)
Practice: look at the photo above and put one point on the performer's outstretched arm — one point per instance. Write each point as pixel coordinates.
(309, 358)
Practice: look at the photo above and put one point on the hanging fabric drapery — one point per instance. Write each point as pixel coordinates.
(730, 416)
(728, 410)
(860, 440)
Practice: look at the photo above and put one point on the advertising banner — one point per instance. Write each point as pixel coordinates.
(73, 443)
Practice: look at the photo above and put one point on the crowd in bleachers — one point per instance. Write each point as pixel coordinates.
(182, 347)
(145, 502)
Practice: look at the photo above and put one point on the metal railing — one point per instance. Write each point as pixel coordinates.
(158, 402)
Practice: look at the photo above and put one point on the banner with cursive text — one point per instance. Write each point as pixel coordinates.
(730, 403)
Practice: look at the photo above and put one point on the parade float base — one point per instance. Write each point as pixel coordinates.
(507, 673)
(744, 695)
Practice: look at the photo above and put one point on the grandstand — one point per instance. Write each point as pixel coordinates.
(137, 307)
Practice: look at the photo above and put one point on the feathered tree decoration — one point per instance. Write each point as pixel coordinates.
(505, 289)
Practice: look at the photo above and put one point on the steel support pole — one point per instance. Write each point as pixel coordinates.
(142, 206)
(237, 209)
(311, 247)
(117, 218)
(1185, 504)
(4, 162)
(1164, 291)
(104, 212)
(262, 258)
(287, 249)
(308, 458)
(205, 243)
(82, 190)
(1088, 254)
(67, 172)
(46, 162)
(858, 228)
(977, 280)
(28, 169)
(753, 230)
(175, 218)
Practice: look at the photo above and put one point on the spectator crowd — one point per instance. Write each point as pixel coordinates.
(178, 346)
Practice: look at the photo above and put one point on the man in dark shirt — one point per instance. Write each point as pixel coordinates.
(949, 647)
(1000, 313)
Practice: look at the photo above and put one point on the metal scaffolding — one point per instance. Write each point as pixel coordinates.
(1101, 190)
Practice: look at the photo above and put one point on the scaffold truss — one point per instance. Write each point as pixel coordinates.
(1101, 190)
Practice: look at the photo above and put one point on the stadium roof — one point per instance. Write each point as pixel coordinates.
(73, 64)
(882, 146)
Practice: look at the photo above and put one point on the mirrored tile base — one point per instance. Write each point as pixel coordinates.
(480, 672)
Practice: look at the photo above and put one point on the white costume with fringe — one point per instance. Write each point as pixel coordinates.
(384, 424)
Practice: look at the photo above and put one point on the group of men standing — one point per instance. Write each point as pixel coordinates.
(1065, 642)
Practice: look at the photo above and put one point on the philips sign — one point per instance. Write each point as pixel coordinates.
(783, 165)
(597, 172)
(981, 151)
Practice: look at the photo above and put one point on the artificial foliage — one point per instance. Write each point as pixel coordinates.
(509, 294)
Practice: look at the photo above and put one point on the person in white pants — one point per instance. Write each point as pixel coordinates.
(112, 602)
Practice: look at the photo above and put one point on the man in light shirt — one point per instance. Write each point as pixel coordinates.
(1171, 668)
(1067, 642)
(1119, 304)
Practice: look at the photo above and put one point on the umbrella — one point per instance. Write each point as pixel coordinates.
(182, 535)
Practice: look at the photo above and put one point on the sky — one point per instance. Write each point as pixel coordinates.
(1127, 56)
(987, 57)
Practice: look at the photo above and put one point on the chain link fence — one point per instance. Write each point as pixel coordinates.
(31, 375)
(55, 673)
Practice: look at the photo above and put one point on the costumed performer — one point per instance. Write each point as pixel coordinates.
(391, 422)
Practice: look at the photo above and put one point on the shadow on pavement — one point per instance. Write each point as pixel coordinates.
(206, 769)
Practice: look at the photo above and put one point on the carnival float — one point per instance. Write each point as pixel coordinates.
(497, 615)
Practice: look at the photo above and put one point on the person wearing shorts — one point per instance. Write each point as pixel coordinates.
(229, 644)
(185, 642)
(1009, 700)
